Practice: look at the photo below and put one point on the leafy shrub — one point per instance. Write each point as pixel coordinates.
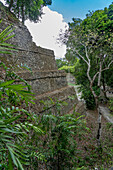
(111, 105)
(88, 96)
(59, 144)
(26, 139)
(17, 125)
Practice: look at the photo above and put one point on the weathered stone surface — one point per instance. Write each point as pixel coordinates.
(61, 95)
(42, 74)
(106, 113)
(70, 78)
(36, 60)
(45, 81)
(28, 53)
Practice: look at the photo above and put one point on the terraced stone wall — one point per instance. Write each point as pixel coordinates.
(45, 79)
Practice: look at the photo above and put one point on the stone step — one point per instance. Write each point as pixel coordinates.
(44, 81)
(66, 94)
(39, 59)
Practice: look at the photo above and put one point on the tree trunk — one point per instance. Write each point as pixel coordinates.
(99, 118)
(95, 96)
(99, 130)
(18, 9)
(23, 16)
(104, 88)
(10, 5)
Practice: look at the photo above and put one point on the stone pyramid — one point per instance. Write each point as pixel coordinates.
(45, 79)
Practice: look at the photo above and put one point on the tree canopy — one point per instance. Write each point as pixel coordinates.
(91, 40)
(27, 9)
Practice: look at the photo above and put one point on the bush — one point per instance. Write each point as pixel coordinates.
(111, 105)
(59, 145)
(16, 123)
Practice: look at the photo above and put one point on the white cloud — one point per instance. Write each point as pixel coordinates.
(47, 30)
(3, 1)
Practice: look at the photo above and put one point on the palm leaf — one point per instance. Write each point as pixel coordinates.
(6, 32)
(10, 120)
(10, 162)
(11, 151)
(6, 83)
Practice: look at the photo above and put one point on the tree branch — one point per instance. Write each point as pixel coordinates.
(81, 56)
(102, 70)
(108, 66)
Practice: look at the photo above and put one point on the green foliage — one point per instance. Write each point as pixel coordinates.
(109, 77)
(29, 140)
(47, 2)
(4, 35)
(93, 38)
(11, 134)
(109, 11)
(88, 97)
(71, 68)
(30, 9)
(68, 69)
(61, 62)
(89, 157)
(59, 140)
(111, 105)
(18, 129)
(16, 123)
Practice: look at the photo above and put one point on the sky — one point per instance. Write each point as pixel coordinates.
(77, 8)
(56, 17)
(46, 32)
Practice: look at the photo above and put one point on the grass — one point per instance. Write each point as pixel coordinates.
(71, 84)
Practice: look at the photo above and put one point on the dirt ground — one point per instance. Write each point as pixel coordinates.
(90, 156)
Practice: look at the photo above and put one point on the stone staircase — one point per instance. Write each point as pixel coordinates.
(46, 81)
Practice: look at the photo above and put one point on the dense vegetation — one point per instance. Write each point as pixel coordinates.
(29, 140)
(90, 59)
(27, 9)
(32, 141)
(91, 42)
